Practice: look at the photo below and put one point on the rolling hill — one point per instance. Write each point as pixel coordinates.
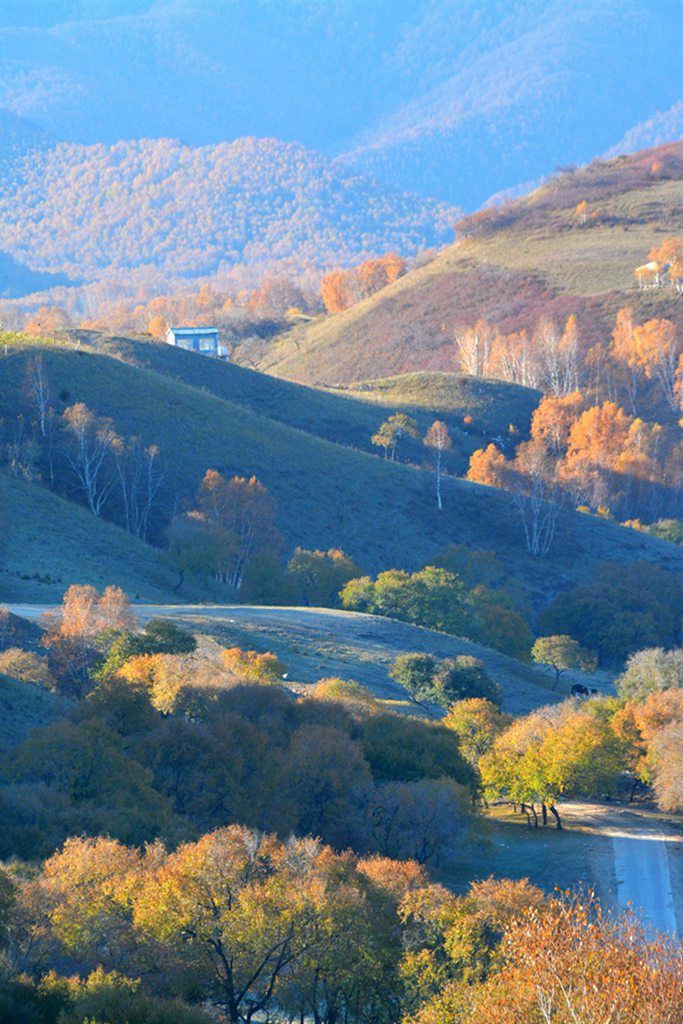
(347, 416)
(317, 643)
(510, 265)
(323, 643)
(328, 494)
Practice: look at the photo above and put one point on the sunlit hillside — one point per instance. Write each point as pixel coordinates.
(511, 265)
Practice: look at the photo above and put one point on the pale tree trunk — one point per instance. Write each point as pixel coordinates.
(538, 514)
(438, 479)
(139, 483)
(39, 390)
(93, 441)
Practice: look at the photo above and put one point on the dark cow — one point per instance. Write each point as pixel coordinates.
(579, 690)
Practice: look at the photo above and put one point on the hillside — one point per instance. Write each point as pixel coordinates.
(163, 210)
(50, 543)
(328, 495)
(17, 280)
(317, 643)
(454, 100)
(323, 643)
(529, 258)
(23, 707)
(347, 416)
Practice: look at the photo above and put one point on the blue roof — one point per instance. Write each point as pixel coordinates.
(194, 330)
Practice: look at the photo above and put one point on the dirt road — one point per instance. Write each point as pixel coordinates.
(646, 849)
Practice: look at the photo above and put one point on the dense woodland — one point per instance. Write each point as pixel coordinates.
(132, 216)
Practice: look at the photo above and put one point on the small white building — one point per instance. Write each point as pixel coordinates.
(197, 339)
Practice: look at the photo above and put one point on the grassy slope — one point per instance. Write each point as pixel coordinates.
(313, 643)
(317, 643)
(539, 262)
(328, 495)
(491, 404)
(344, 416)
(24, 707)
(51, 543)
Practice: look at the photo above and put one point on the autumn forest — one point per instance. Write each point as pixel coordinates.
(341, 508)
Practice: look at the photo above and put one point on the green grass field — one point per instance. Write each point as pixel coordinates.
(347, 416)
(50, 543)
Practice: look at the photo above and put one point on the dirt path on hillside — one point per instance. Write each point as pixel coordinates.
(648, 860)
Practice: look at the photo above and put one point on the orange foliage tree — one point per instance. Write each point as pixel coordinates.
(490, 467)
(571, 962)
(72, 632)
(670, 255)
(596, 440)
(623, 356)
(553, 419)
(233, 522)
(656, 350)
(343, 288)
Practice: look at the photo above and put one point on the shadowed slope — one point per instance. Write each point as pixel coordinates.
(328, 495)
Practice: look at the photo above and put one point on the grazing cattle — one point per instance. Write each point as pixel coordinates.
(579, 690)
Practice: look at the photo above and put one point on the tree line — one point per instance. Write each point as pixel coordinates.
(283, 931)
(594, 440)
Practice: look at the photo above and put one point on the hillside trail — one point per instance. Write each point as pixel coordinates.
(647, 852)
